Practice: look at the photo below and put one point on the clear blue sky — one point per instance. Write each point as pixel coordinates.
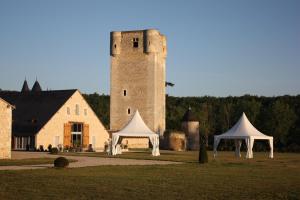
(216, 48)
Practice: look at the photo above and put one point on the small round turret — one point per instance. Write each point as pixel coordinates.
(152, 40)
(164, 46)
(115, 43)
(190, 125)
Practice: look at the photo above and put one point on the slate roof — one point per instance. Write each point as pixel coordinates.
(34, 109)
(36, 87)
(189, 116)
(25, 87)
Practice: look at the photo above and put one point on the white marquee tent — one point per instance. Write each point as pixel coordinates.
(136, 127)
(243, 130)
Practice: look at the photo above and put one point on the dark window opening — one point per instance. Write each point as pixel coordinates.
(135, 42)
(128, 111)
(115, 46)
(76, 127)
(76, 134)
(124, 93)
(76, 140)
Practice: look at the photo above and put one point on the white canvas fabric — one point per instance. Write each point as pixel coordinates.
(238, 144)
(243, 130)
(136, 127)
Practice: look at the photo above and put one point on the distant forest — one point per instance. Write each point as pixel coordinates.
(275, 116)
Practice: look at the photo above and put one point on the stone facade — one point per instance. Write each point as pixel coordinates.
(191, 129)
(5, 129)
(138, 64)
(53, 132)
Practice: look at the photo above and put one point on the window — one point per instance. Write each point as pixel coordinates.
(76, 127)
(76, 140)
(85, 111)
(124, 93)
(94, 141)
(56, 141)
(76, 134)
(135, 42)
(77, 109)
(22, 143)
(128, 111)
(115, 46)
(68, 110)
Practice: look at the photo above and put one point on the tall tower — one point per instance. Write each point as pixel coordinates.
(138, 65)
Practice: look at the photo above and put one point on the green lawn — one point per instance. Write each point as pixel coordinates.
(188, 156)
(222, 178)
(31, 161)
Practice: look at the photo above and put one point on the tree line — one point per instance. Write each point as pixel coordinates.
(275, 116)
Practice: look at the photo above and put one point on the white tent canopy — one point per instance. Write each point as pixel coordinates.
(243, 130)
(136, 127)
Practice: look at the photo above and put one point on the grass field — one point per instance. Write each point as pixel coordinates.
(222, 178)
(31, 161)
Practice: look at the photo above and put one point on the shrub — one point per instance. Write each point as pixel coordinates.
(49, 148)
(61, 162)
(90, 148)
(203, 158)
(41, 148)
(54, 150)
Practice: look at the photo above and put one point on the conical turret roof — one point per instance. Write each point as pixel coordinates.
(189, 116)
(25, 87)
(36, 87)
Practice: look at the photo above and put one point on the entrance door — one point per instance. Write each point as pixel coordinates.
(76, 134)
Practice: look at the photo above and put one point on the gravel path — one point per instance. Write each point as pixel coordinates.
(82, 161)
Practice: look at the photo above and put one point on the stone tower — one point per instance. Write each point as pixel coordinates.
(138, 64)
(190, 125)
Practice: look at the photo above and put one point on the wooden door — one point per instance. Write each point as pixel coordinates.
(85, 133)
(67, 134)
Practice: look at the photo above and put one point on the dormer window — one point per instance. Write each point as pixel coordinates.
(135, 42)
(77, 109)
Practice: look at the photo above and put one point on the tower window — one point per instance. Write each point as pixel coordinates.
(128, 111)
(124, 93)
(77, 109)
(135, 42)
(115, 46)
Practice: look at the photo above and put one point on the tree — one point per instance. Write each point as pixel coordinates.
(277, 116)
(250, 106)
(203, 158)
(280, 118)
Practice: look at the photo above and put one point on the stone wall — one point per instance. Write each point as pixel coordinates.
(5, 130)
(191, 130)
(54, 129)
(138, 78)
